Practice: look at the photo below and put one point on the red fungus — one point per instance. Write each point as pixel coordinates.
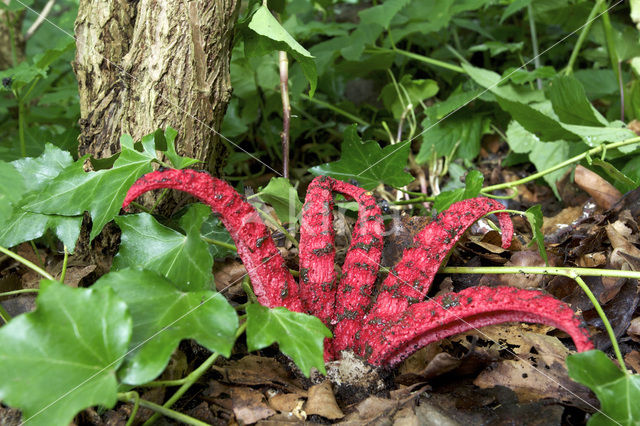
(398, 322)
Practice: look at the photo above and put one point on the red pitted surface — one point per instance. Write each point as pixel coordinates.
(272, 283)
(338, 305)
(409, 281)
(398, 323)
(385, 342)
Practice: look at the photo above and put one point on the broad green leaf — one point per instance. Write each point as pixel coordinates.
(597, 83)
(20, 75)
(367, 163)
(455, 137)
(62, 357)
(383, 13)
(24, 225)
(455, 101)
(514, 6)
(12, 186)
(213, 229)
(473, 185)
(496, 47)
(270, 36)
(283, 198)
(545, 127)
(595, 136)
(618, 392)
(101, 193)
(521, 76)
(163, 315)
(534, 216)
(299, 336)
(494, 83)
(183, 259)
(177, 161)
(570, 102)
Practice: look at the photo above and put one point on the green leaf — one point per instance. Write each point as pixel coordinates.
(163, 315)
(22, 225)
(183, 259)
(570, 102)
(367, 163)
(12, 186)
(618, 392)
(494, 83)
(213, 229)
(537, 122)
(299, 336)
(176, 160)
(473, 185)
(101, 193)
(455, 137)
(62, 357)
(534, 216)
(514, 6)
(20, 76)
(411, 91)
(625, 183)
(283, 198)
(269, 36)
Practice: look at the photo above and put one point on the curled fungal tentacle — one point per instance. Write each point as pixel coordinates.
(409, 281)
(385, 342)
(271, 279)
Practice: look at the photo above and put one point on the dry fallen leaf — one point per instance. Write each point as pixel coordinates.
(249, 405)
(634, 329)
(321, 401)
(604, 194)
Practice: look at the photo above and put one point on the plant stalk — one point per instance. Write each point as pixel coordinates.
(418, 57)
(335, 109)
(286, 111)
(582, 36)
(159, 409)
(27, 263)
(534, 43)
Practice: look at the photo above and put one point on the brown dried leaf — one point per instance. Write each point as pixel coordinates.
(633, 360)
(256, 370)
(322, 402)
(634, 329)
(604, 194)
(249, 405)
(285, 402)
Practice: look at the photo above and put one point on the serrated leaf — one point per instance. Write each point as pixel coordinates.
(163, 315)
(299, 336)
(283, 198)
(535, 218)
(473, 185)
(618, 392)
(183, 259)
(62, 357)
(367, 163)
(270, 36)
(101, 193)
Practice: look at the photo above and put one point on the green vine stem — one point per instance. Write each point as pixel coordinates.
(159, 409)
(4, 315)
(581, 37)
(572, 160)
(63, 273)
(22, 291)
(188, 381)
(574, 273)
(335, 109)
(418, 57)
(534, 43)
(133, 395)
(219, 243)
(27, 263)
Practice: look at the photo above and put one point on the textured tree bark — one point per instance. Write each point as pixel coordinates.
(151, 64)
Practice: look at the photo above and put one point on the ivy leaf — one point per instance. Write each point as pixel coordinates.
(299, 336)
(618, 392)
(213, 229)
(101, 193)
(473, 184)
(176, 160)
(183, 259)
(367, 163)
(283, 198)
(163, 315)
(534, 216)
(267, 35)
(23, 225)
(62, 357)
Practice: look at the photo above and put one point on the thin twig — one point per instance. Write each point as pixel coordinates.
(286, 110)
(42, 16)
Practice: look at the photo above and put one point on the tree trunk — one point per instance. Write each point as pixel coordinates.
(144, 65)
